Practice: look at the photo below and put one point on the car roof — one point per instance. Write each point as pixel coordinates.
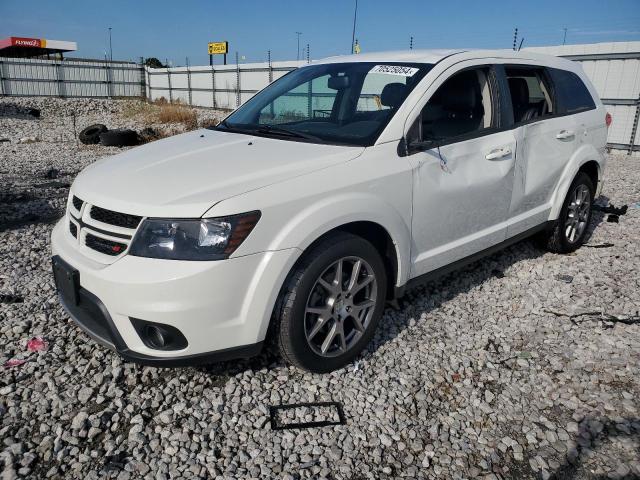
(434, 56)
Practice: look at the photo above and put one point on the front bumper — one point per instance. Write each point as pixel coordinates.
(222, 308)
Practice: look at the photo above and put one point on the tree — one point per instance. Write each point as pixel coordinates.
(153, 62)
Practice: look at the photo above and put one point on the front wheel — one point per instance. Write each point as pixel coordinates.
(569, 231)
(331, 303)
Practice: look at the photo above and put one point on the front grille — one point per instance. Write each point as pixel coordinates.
(73, 229)
(77, 203)
(115, 218)
(102, 245)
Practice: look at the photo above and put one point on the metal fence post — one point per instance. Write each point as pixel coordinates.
(189, 81)
(237, 81)
(3, 89)
(60, 75)
(309, 103)
(634, 128)
(107, 79)
(169, 80)
(213, 86)
(143, 79)
(147, 76)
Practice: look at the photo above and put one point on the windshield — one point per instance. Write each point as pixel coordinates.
(338, 103)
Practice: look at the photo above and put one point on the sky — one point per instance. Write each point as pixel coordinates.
(175, 30)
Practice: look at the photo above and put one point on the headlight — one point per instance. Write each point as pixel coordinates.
(202, 239)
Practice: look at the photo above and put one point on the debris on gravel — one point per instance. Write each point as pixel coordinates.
(523, 365)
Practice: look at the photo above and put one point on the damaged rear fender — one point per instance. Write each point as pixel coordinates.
(581, 156)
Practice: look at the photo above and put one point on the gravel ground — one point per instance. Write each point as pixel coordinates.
(524, 365)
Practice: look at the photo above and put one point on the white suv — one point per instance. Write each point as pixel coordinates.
(323, 197)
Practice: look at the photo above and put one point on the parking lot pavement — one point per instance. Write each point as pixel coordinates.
(523, 365)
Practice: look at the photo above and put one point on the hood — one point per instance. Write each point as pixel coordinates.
(185, 175)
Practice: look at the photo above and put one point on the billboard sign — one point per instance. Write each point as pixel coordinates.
(218, 48)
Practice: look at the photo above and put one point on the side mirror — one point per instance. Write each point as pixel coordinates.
(338, 82)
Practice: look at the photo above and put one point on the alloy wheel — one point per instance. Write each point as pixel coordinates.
(340, 306)
(577, 213)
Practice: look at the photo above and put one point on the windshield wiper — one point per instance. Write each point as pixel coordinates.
(285, 131)
(266, 129)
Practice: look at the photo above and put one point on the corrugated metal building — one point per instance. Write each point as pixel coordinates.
(614, 69)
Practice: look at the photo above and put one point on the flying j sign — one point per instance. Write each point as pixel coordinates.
(218, 48)
(24, 42)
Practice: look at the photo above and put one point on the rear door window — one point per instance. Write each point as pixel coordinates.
(531, 95)
(572, 94)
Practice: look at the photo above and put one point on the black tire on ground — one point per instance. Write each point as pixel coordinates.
(556, 239)
(91, 134)
(119, 138)
(290, 314)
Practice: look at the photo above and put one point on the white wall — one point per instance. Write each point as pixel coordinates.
(253, 77)
(69, 78)
(614, 70)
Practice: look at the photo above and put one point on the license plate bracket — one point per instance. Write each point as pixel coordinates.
(67, 280)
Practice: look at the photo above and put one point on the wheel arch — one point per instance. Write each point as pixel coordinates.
(586, 159)
(379, 237)
(369, 230)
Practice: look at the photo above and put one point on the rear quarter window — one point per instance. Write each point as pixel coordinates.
(572, 95)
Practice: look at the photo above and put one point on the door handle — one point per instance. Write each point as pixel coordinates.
(498, 153)
(562, 134)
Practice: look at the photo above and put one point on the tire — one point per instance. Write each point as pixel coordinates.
(119, 138)
(91, 134)
(312, 285)
(561, 238)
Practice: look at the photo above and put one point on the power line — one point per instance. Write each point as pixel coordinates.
(298, 49)
(353, 34)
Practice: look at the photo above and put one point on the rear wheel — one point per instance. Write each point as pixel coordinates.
(569, 231)
(331, 304)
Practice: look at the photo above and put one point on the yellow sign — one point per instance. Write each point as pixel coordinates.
(218, 47)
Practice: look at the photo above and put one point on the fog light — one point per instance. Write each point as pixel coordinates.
(155, 336)
(159, 336)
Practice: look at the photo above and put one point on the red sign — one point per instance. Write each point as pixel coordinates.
(26, 42)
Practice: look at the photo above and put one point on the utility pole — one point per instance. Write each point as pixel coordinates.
(353, 35)
(298, 49)
(515, 38)
(564, 39)
(110, 48)
(411, 43)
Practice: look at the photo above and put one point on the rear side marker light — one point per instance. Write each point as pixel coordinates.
(608, 119)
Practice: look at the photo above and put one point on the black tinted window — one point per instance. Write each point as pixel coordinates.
(461, 106)
(345, 103)
(571, 92)
(531, 97)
